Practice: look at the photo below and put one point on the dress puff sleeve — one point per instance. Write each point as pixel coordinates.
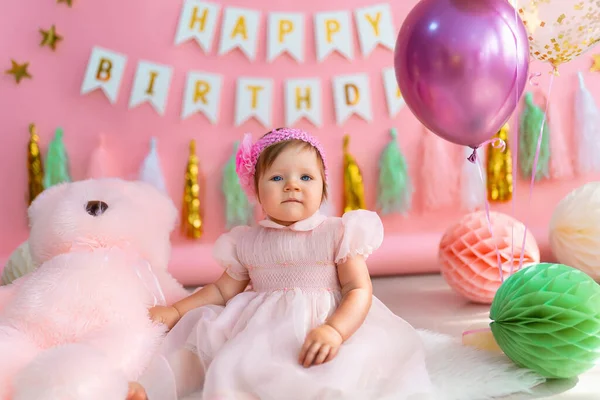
(362, 235)
(226, 255)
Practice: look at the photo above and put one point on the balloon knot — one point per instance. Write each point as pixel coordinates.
(473, 157)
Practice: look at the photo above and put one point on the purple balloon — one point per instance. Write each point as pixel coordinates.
(462, 66)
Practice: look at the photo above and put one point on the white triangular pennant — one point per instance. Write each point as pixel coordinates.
(333, 33)
(254, 98)
(104, 71)
(202, 93)
(198, 21)
(240, 29)
(286, 33)
(375, 26)
(303, 99)
(393, 96)
(352, 95)
(151, 84)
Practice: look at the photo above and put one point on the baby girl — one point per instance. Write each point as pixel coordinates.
(310, 328)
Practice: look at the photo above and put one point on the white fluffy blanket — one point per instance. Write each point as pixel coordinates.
(463, 373)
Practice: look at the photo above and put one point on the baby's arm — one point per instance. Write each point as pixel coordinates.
(232, 282)
(322, 343)
(357, 295)
(217, 293)
(362, 234)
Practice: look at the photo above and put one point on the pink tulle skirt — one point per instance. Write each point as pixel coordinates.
(249, 350)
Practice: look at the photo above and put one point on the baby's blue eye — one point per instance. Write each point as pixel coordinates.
(276, 178)
(306, 178)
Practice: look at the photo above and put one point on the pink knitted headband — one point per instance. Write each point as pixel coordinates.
(248, 153)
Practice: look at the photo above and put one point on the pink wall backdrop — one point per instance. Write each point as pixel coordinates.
(142, 32)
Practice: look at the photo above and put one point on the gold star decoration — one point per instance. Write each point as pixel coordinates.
(67, 2)
(596, 66)
(19, 71)
(50, 37)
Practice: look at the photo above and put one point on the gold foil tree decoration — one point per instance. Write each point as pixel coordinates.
(35, 166)
(499, 170)
(354, 191)
(192, 225)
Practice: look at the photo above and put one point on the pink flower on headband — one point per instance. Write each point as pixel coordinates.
(248, 153)
(244, 166)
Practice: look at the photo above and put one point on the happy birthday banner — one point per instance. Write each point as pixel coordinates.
(254, 96)
(285, 31)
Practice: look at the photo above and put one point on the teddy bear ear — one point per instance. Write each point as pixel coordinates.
(44, 201)
(169, 211)
(163, 208)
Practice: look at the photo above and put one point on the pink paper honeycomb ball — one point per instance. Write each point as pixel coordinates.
(468, 259)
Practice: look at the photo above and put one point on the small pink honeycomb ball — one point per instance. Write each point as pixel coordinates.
(468, 258)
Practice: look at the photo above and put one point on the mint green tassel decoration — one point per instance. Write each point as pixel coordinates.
(531, 122)
(395, 189)
(57, 162)
(238, 210)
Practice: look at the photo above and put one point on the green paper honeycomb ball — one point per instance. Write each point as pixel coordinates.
(547, 318)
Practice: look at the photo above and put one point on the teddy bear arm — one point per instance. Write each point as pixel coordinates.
(128, 347)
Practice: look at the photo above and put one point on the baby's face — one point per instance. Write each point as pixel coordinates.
(291, 189)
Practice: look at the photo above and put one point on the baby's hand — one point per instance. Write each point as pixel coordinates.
(136, 392)
(321, 345)
(165, 315)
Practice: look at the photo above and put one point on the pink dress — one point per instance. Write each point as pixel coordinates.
(249, 349)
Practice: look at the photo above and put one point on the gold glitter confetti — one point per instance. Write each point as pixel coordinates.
(557, 35)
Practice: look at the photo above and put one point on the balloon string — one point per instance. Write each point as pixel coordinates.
(514, 138)
(534, 75)
(534, 172)
(487, 204)
(472, 331)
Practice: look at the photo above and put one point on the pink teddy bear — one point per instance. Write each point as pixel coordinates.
(77, 327)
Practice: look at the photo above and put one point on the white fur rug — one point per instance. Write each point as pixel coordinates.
(463, 373)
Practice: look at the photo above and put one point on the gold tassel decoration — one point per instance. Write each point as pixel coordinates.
(354, 191)
(35, 166)
(192, 225)
(499, 170)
